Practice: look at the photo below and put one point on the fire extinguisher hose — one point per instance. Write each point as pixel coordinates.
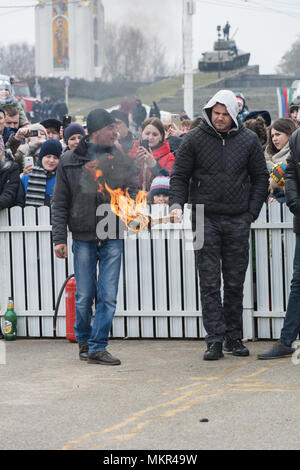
(58, 302)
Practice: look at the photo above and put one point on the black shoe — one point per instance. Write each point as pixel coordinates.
(236, 347)
(83, 352)
(103, 357)
(213, 352)
(277, 351)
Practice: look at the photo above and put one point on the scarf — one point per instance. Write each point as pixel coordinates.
(36, 188)
(278, 157)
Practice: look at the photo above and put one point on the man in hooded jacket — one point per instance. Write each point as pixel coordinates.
(228, 174)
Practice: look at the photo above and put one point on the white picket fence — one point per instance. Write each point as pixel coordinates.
(158, 290)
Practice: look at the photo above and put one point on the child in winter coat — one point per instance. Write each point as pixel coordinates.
(7, 97)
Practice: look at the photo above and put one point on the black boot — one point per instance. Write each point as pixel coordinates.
(236, 347)
(213, 352)
(83, 352)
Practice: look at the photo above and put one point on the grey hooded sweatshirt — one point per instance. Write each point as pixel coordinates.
(225, 172)
(228, 99)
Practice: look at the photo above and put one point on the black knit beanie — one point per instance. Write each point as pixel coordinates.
(50, 147)
(97, 119)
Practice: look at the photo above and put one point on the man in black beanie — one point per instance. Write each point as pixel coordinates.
(80, 196)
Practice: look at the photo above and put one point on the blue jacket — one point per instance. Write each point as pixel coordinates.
(7, 132)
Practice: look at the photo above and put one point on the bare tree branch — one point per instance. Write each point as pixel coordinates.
(17, 59)
(130, 55)
(290, 62)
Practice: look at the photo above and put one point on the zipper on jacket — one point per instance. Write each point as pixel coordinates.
(223, 163)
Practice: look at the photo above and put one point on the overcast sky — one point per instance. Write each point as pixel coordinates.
(265, 28)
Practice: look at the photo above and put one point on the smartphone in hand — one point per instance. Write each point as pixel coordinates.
(28, 161)
(145, 143)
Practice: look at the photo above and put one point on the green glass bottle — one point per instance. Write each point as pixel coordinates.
(10, 322)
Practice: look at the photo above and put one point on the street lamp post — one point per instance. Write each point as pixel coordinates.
(219, 54)
(187, 37)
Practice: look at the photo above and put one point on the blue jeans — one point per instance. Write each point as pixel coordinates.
(86, 257)
(291, 326)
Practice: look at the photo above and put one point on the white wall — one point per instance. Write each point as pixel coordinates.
(81, 42)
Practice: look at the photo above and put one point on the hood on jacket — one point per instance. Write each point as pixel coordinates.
(228, 99)
(244, 111)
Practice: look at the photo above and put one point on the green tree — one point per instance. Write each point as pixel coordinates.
(290, 62)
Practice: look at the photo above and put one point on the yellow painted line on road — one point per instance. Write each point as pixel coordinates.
(246, 388)
(134, 417)
(180, 389)
(263, 369)
(165, 415)
(186, 401)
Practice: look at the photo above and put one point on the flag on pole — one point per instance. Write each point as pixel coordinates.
(284, 96)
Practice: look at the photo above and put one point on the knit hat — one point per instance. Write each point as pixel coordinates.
(50, 147)
(6, 85)
(277, 173)
(293, 107)
(161, 183)
(121, 116)
(73, 129)
(97, 119)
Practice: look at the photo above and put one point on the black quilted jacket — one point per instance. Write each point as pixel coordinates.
(292, 184)
(227, 174)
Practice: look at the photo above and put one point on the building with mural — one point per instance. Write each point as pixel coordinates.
(69, 38)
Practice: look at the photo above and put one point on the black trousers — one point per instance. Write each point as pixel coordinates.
(225, 251)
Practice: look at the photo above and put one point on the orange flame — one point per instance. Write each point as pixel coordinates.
(96, 173)
(129, 210)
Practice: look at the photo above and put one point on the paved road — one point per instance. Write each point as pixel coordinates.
(163, 396)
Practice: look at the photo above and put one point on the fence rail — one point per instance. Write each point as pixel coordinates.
(158, 291)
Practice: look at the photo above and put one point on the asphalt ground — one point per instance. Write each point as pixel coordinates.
(162, 396)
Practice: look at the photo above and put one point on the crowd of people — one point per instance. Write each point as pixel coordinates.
(231, 159)
(25, 147)
(49, 108)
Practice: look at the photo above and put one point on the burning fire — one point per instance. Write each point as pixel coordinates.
(130, 211)
(96, 174)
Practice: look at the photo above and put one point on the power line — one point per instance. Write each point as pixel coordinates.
(254, 6)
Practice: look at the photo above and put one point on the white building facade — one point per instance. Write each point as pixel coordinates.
(69, 38)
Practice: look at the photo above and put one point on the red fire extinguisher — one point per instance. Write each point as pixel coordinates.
(70, 309)
(70, 288)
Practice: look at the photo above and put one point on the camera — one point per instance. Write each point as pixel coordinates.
(33, 134)
(145, 143)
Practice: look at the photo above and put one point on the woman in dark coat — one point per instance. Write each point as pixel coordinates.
(154, 110)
